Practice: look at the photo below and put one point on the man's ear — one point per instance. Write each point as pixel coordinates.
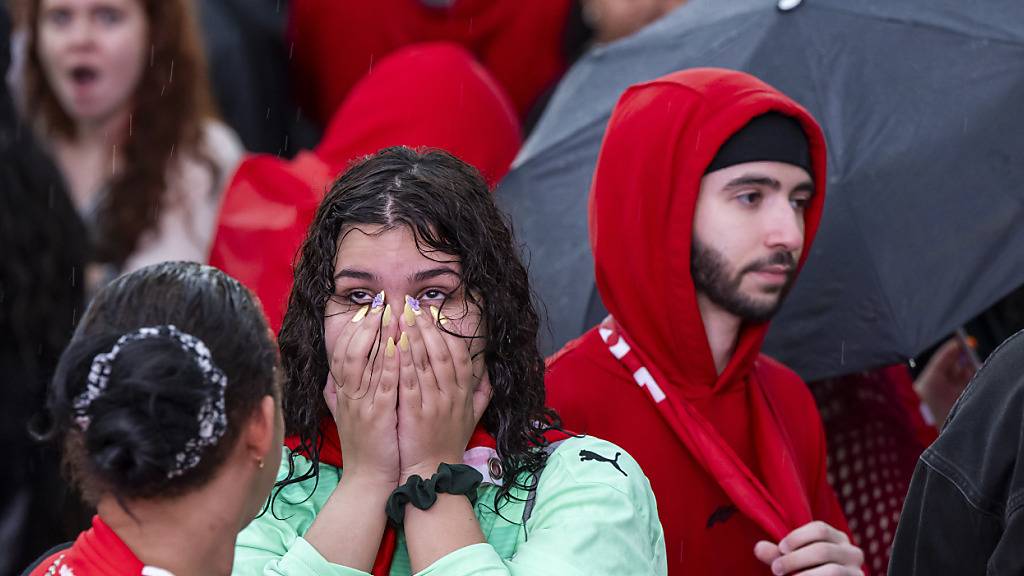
(260, 431)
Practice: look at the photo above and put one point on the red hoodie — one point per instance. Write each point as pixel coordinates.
(432, 95)
(335, 42)
(732, 458)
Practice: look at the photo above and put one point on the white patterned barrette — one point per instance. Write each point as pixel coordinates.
(213, 420)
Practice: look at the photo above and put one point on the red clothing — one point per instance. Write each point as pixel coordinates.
(96, 552)
(732, 458)
(433, 95)
(335, 42)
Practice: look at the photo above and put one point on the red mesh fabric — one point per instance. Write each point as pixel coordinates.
(875, 434)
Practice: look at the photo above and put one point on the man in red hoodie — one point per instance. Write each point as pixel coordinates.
(706, 197)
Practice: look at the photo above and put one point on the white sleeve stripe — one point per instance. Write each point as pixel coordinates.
(644, 379)
(620, 348)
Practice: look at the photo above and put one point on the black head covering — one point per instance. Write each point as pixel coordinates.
(771, 137)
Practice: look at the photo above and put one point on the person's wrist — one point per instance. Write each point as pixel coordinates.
(370, 482)
(427, 468)
(424, 471)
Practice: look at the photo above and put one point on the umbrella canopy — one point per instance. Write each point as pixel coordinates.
(926, 160)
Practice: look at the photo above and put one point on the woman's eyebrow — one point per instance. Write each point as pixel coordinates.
(424, 275)
(355, 274)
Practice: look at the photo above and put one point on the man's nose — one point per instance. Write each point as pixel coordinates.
(784, 227)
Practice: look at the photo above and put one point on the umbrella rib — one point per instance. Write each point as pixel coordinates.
(899, 333)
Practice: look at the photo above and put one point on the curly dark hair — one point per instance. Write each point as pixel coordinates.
(447, 205)
(171, 103)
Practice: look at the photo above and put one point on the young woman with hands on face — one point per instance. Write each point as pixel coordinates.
(409, 347)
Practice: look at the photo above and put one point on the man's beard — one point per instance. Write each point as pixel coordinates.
(714, 277)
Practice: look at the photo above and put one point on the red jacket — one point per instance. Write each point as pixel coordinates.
(335, 42)
(732, 458)
(432, 95)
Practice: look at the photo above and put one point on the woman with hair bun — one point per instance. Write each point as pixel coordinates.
(167, 403)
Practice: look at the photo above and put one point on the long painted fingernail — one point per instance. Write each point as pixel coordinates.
(361, 314)
(389, 350)
(438, 316)
(413, 303)
(403, 342)
(378, 303)
(386, 321)
(411, 311)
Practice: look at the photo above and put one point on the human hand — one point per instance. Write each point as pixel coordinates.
(944, 378)
(362, 394)
(814, 549)
(443, 393)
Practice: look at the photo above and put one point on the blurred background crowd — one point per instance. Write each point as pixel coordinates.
(139, 131)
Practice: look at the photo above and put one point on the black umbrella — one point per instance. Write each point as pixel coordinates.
(918, 99)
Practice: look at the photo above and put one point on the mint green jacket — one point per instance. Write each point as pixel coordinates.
(591, 515)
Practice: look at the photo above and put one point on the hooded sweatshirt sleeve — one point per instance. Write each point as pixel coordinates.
(595, 514)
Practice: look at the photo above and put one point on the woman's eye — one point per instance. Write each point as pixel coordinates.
(433, 294)
(360, 297)
(58, 17)
(108, 15)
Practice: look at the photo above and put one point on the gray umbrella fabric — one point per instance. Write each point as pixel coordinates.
(922, 224)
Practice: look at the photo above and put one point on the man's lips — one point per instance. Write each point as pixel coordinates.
(774, 272)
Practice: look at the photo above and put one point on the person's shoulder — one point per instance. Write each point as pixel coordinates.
(216, 133)
(783, 386)
(581, 460)
(981, 447)
(990, 406)
(577, 361)
(573, 349)
(45, 563)
(777, 371)
(999, 382)
(222, 146)
(582, 382)
(295, 465)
